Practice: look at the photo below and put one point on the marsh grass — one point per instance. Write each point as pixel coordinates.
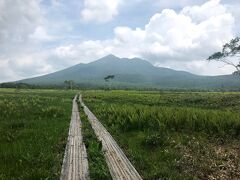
(33, 133)
(173, 135)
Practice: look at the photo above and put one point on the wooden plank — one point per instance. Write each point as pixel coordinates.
(119, 165)
(75, 163)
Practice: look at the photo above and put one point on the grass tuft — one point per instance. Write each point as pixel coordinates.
(97, 164)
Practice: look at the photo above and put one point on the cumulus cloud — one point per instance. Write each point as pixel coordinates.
(6, 71)
(84, 52)
(18, 19)
(190, 34)
(21, 32)
(180, 40)
(204, 12)
(100, 11)
(40, 34)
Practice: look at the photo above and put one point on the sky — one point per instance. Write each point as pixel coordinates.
(42, 36)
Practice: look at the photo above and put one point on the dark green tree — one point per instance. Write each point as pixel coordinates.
(228, 55)
(107, 78)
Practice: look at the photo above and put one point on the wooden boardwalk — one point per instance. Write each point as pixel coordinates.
(75, 163)
(119, 165)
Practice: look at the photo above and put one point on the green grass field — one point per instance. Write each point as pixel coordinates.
(33, 132)
(174, 135)
(166, 135)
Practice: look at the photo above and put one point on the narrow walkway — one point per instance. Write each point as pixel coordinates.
(119, 165)
(75, 163)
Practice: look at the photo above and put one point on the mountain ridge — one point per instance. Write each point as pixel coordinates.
(133, 72)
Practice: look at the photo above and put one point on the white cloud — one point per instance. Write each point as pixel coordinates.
(204, 12)
(184, 38)
(40, 34)
(21, 66)
(83, 52)
(192, 34)
(202, 67)
(21, 32)
(6, 71)
(186, 35)
(234, 9)
(100, 11)
(18, 19)
(175, 39)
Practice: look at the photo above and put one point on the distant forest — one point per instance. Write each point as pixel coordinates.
(85, 86)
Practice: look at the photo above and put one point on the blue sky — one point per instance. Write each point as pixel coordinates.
(42, 36)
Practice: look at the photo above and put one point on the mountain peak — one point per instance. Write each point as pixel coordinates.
(134, 72)
(110, 59)
(111, 56)
(106, 59)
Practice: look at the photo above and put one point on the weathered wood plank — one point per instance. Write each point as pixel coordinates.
(75, 163)
(119, 165)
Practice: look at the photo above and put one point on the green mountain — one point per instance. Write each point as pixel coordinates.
(133, 73)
